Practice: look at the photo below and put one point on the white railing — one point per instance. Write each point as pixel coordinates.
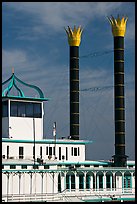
(68, 195)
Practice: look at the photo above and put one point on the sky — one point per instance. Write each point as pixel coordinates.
(35, 43)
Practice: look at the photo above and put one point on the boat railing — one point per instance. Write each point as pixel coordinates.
(69, 195)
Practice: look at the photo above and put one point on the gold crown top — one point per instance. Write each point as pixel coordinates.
(118, 26)
(74, 37)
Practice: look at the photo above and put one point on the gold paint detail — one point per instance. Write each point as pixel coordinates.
(119, 61)
(76, 80)
(119, 96)
(118, 26)
(74, 102)
(119, 85)
(118, 133)
(74, 57)
(117, 121)
(74, 91)
(122, 145)
(76, 69)
(74, 36)
(118, 49)
(119, 108)
(119, 72)
(74, 124)
(74, 113)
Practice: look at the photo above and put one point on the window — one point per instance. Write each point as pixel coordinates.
(53, 150)
(50, 150)
(12, 166)
(72, 182)
(81, 182)
(86, 165)
(13, 108)
(75, 151)
(25, 109)
(59, 153)
(46, 166)
(66, 153)
(24, 166)
(78, 151)
(37, 110)
(21, 109)
(7, 152)
(72, 151)
(41, 152)
(33, 152)
(46, 150)
(5, 109)
(21, 153)
(35, 166)
(29, 109)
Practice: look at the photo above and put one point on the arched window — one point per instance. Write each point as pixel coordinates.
(81, 180)
(99, 180)
(59, 183)
(70, 181)
(109, 177)
(127, 180)
(87, 181)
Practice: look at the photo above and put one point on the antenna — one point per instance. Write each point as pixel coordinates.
(34, 141)
(54, 136)
(12, 70)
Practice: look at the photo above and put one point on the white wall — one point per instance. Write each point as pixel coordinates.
(22, 128)
(28, 151)
(5, 127)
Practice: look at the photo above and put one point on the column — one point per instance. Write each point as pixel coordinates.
(77, 181)
(133, 182)
(97, 181)
(91, 182)
(111, 182)
(104, 181)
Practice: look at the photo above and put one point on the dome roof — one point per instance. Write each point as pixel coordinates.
(12, 83)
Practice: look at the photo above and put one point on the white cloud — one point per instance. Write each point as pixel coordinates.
(13, 58)
(56, 15)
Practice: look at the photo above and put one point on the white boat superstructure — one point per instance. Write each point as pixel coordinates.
(56, 170)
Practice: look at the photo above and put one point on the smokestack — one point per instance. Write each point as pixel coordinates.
(74, 38)
(118, 31)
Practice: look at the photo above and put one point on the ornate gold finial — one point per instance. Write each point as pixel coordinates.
(74, 37)
(118, 26)
(12, 70)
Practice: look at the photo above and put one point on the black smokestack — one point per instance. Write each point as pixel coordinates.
(74, 38)
(74, 92)
(118, 30)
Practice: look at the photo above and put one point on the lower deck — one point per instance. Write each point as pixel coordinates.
(61, 182)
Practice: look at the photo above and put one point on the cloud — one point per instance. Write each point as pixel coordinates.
(56, 15)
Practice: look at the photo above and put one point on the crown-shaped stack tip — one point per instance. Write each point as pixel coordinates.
(118, 25)
(74, 36)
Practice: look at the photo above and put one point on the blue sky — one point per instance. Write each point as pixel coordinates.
(34, 42)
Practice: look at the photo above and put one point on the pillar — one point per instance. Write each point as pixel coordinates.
(104, 181)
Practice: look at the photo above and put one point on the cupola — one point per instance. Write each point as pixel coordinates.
(22, 115)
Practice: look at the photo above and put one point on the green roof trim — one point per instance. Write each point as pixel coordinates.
(12, 84)
(48, 141)
(25, 98)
